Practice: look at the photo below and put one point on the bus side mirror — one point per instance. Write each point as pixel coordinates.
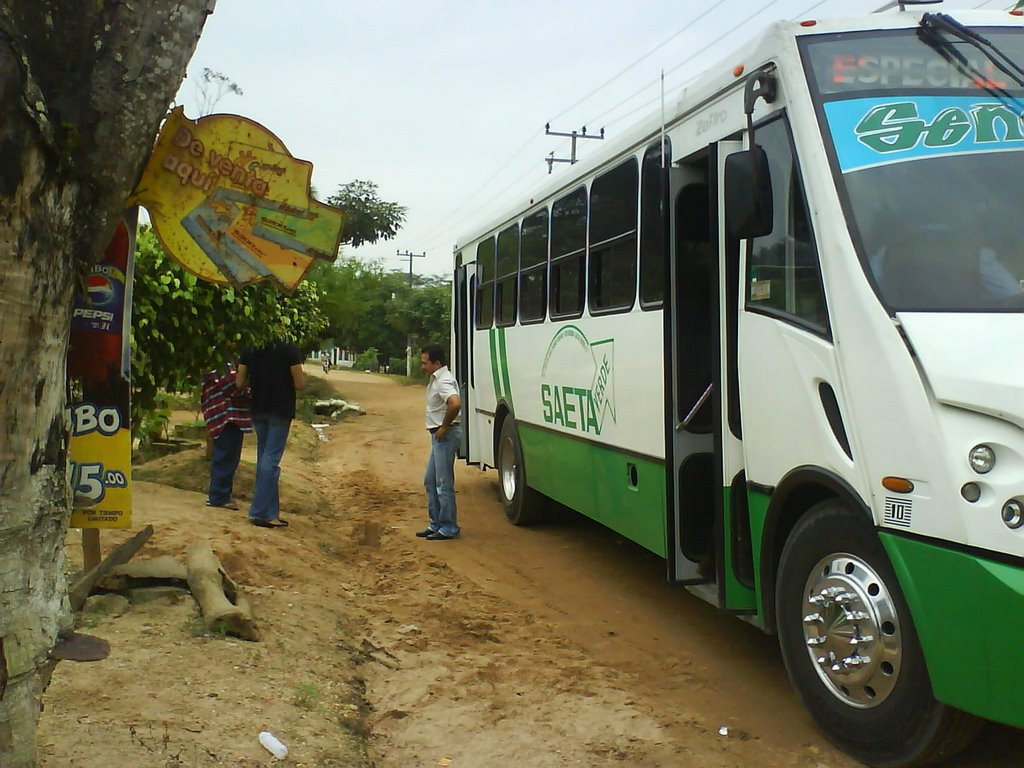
(748, 195)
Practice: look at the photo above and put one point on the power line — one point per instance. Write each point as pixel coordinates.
(506, 190)
(605, 84)
(441, 223)
(650, 53)
(647, 104)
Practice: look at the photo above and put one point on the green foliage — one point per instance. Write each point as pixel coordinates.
(153, 423)
(306, 696)
(367, 306)
(367, 217)
(367, 361)
(183, 326)
(425, 312)
(356, 297)
(396, 365)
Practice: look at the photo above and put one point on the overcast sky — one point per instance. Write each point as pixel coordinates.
(443, 103)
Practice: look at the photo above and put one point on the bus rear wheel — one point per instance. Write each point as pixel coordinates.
(523, 505)
(851, 649)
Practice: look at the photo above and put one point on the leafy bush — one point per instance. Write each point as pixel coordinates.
(396, 365)
(368, 361)
(183, 326)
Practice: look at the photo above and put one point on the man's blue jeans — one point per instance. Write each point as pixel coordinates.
(271, 436)
(227, 450)
(439, 481)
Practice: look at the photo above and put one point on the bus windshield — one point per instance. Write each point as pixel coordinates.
(927, 147)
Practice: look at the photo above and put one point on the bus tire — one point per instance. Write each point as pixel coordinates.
(523, 505)
(850, 647)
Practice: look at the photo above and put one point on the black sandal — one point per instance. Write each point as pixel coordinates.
(275, 523)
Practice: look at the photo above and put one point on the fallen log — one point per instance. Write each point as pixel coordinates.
(121, 554)
(223, 608)
(155, 572)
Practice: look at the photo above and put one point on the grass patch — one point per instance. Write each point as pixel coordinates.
(306, 696)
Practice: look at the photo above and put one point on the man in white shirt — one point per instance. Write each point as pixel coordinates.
(443, 406)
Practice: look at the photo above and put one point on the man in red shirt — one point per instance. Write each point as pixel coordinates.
(226, 411)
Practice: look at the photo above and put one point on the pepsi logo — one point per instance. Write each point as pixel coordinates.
(102, 291)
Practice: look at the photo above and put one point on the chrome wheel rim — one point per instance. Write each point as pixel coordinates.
(508, 469)
(852, 631)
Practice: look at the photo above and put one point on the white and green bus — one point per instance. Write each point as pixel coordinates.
(775, 335)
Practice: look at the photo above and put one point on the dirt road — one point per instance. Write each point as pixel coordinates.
(555, 646)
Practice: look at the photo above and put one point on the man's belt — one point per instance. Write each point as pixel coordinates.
(432, 430)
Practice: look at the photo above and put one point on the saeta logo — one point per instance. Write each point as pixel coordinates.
(577, 388)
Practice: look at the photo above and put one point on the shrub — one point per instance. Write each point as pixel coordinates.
(367, 361)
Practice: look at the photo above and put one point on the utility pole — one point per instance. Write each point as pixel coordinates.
(551, 159)
(409, 339)
(410, 257)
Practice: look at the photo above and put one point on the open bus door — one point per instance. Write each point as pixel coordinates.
(463, 355)
(704, 457)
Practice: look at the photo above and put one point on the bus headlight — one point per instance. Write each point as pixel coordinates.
(1013, 514)
(982, 458)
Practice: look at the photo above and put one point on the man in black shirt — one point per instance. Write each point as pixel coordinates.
(274, 372)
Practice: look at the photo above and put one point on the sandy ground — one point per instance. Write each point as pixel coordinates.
(560, 645)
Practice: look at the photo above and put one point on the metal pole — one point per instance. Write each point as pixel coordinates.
(409, 338)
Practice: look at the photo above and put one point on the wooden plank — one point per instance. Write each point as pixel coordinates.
(120, 555)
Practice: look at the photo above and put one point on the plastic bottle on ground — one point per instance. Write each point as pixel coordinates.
(272, 745)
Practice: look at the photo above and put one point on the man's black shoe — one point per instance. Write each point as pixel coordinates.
(425, 532)
(438, 536)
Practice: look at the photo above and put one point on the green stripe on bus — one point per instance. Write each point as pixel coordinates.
(738, 596)
(595, 480)
(494, 365)
(952, 596)
(504, 366)
(757, 503)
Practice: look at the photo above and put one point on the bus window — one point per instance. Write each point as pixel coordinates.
(568, 244)
(783, 275)
(653, 225)
(533, 279)
(508, 266)
(485, 283)
(613, 211)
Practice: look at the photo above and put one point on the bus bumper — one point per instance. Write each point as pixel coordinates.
(969, 616)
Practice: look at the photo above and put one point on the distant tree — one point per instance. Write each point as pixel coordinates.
(356, 297)
(183, 326)
(212, 87)
(367, 217)
(83, 88)
(367, 306)
(424, 311)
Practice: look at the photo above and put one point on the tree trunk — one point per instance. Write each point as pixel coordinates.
(83, 88)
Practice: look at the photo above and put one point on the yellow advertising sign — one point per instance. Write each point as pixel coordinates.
(230, 203)
(99, 381)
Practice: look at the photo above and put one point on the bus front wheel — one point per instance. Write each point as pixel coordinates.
(851, 649)
(523, 505)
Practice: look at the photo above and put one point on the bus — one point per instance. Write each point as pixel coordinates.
(774, 335)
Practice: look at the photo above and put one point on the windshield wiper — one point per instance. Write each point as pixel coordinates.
(990, 50)
(931, 32)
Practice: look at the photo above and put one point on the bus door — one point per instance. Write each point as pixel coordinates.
(705, 452)
(691, 313)
(733, 556)
(463, 355)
